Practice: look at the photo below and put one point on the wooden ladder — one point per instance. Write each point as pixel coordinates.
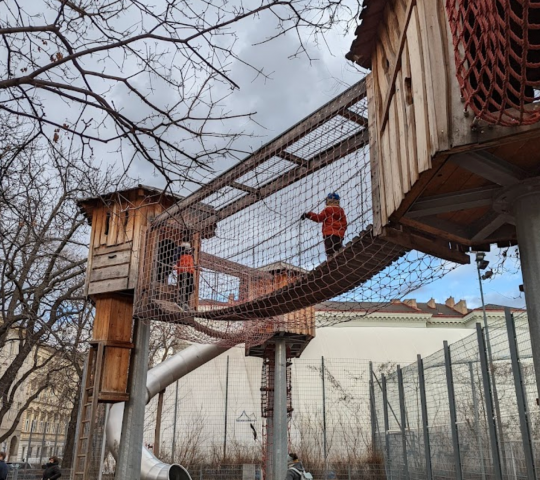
(90, 397)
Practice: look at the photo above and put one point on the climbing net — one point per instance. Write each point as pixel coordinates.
(497, 55)
(239, 261)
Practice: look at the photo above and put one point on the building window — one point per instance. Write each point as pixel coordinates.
(27, 425)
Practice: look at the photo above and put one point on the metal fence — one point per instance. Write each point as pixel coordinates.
(463, 412)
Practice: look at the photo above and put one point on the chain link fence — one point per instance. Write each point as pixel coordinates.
(464, 412)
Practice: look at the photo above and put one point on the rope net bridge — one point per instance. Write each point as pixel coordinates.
(236, 261)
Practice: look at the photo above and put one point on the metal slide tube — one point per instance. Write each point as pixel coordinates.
(159, 378)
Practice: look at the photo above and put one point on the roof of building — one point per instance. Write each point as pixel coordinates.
(366, 33)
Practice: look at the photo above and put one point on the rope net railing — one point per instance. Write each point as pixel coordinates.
(497, 56)
(254, 250)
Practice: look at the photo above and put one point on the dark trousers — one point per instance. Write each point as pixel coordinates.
(186, 286)
(332, 244)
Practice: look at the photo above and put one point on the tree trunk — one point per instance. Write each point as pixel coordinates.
(69, 446)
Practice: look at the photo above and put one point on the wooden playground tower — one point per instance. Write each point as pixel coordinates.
(121, 236)
(454, 131)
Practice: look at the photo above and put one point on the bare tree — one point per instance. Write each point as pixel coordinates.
(151, 78)
(44, 315)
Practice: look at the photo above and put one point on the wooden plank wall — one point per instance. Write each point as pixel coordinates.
(408, 100)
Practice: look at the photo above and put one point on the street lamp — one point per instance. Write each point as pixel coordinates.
(482, 264)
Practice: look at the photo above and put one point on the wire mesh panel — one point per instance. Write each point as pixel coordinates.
(251, 252)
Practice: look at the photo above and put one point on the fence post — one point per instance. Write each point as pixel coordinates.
(325, 446)
(453, 413)
(425, 419)
(492, 427)
(403, 421)
(386, 428)
(372, 410)
(226, 410)
(477, 421)
(174, 423)
(520, 396)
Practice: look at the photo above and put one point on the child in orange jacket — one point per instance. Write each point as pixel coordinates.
(334, 224)
(185, 268)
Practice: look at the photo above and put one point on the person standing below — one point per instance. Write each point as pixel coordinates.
(185, 268)
(3, 467)
(52, 470)
(295, 469)
(334, 223)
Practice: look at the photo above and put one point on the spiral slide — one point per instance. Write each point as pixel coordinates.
(159, 378)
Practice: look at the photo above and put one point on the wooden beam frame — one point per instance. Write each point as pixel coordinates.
(321, 160)
(488, 225)
(354, 117)
(348, 98)
(490, 167)
(451, 202)
(291, 157)
(436, 247)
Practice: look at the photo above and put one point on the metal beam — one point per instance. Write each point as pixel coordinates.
(489, 166)
(488, 225)
(451, 202)
(458, 472)
(348, 98)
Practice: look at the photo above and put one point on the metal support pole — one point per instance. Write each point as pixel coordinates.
(387, 462)
(173, 453)
(372, 408)
(128, 465)
(522, 200)
(425, 419)
(157, 431)
(280, 410)
(491, 364)
(403, 421)
(325, 446)
(453, 413)
(226, 410)
(477, 421)
(492, 427)
(269, 448)
(45, 425)
(104, 443)
(520, 397)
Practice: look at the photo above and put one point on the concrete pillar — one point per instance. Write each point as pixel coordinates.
(523, 201)
(280, 412)
(128, 465)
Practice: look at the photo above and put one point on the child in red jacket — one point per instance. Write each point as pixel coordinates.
(334, 223)
(185, 269)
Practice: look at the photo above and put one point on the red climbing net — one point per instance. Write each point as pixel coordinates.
(497, 55)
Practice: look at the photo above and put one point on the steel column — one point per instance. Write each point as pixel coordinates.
(372, 408)
(523, 200)
(520, 396)
(477, 421)
(174, 424)
(403, 421)
(128, 465)
(280, 410)
(490, 414)
(226, 410)
(104, 442)
(386, 429)
(325, 446)
(453, 413)
(425, 419)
